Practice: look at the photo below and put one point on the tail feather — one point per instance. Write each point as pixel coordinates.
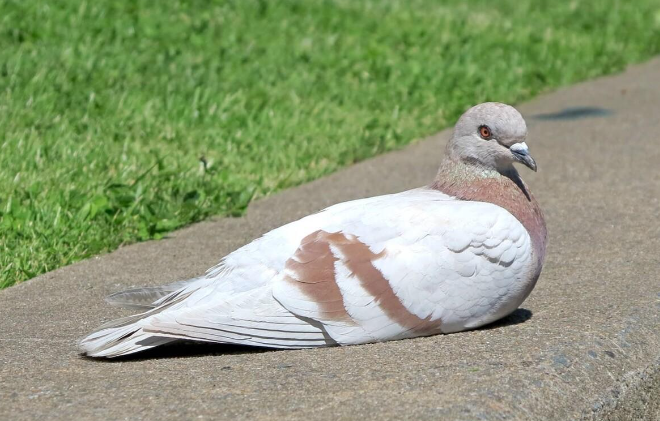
(146, 298)
(125, 336)
(114, 342)
(251, 317)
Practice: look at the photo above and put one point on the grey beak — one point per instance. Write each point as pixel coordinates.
(521, 154)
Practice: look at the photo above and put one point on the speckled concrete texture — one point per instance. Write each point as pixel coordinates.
(585, 345)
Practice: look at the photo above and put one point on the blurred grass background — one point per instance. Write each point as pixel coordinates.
(123, 120)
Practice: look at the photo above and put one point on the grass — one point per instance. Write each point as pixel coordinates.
(123, 120)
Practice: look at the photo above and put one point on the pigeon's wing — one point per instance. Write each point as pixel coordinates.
(406, 268)
(238, 306)
(249, 267)
(233, 303)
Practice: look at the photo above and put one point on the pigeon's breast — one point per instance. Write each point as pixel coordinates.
(421, 267)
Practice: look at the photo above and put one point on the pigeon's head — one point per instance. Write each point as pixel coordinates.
(491, 135)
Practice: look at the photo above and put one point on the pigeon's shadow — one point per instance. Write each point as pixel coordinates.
(519, 316)
(189, 349)
(185, 349)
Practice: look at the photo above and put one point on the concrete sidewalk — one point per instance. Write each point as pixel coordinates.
(585, 345)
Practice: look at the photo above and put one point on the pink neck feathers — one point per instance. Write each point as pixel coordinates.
(473, 183)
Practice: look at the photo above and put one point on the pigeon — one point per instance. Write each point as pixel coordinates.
(460, 253)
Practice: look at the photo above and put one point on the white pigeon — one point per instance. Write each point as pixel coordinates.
(463, 252)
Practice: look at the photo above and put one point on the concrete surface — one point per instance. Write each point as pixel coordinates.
(585, 345)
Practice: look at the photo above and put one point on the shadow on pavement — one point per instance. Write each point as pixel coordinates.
(184, 349)
(575, 113)
(517, 317)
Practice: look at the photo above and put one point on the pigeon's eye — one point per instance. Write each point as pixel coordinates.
(485, 133)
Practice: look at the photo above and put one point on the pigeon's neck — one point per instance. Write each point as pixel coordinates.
(507, 190)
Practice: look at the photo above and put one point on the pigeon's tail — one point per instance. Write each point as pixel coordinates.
(126, 336)
(120, 337)
(146, 298)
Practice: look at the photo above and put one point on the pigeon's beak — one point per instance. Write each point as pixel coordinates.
(521, 154)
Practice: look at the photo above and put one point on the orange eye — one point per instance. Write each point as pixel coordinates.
(485, 132)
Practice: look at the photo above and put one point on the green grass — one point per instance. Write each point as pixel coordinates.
(123, 120)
